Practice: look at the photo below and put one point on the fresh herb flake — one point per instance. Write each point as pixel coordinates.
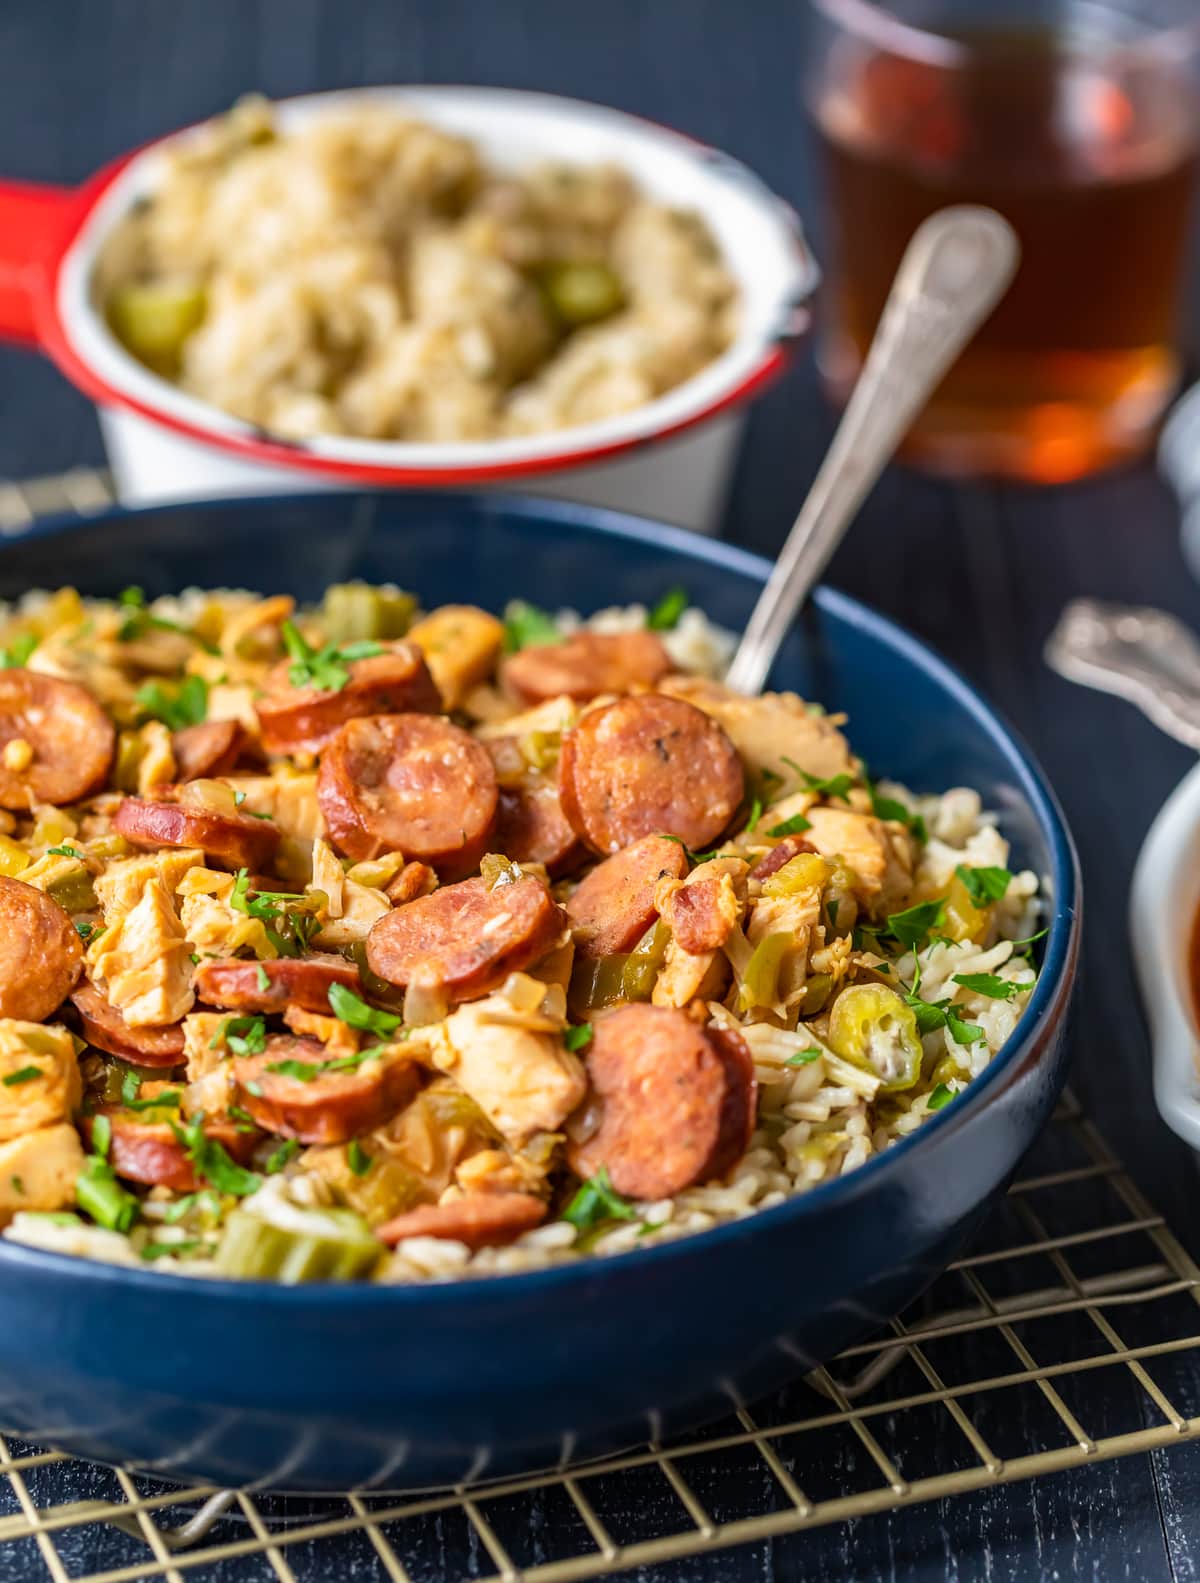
(578, 1037)
(24, 1074)
(525, 627)
(357, 1158)
(212, 1162)
(597, 1201)
(941, 1095)
(984, 885)
(262, 978)
(63, 851)
(667, 611)
(18, 651)
(352, 1010)
(326, 668)
(161, 1250)
(989, 984)
(805, 1057)
(279, 1157)
(913, 926)
(186, 706)
(792, 826)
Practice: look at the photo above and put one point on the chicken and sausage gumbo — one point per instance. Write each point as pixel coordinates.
(359, 942)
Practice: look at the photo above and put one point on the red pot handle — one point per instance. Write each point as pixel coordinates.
(34, 224)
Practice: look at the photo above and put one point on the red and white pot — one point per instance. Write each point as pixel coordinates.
(671, 458)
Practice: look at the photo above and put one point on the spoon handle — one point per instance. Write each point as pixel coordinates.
(1141, 654)
(952, 274)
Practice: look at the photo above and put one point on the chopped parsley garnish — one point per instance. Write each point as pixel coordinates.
(357, 1158)
(823, 786)
(18, 651)
(914, 925)
(244, 1035)
(984, 885)
(942, 1095)
(692, 857)
(85, 931)
(137, 620)
(193, 957)
(63, 851)
(211, 1161)
(186, 706)
(792, 826)
(578, 1037)
(242, 1119)
(938, 1014)
(667, 611)
(326, 668)
(805, 1057)
(262, 978)
(525, 627)
(307, 1071)
(17, 1185)
(353, 1011)
(101, 1136)
(289, 929)
(161, 1250)
(1019, 945)
(596, 1201)
(279, 1157)
(755, 814)
(24, 1074)
(890, 808)
(988, 984)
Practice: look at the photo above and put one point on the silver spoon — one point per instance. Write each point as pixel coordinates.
(953, 273)
(1139, 653)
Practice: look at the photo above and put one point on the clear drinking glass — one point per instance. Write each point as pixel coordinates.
(1080, 122)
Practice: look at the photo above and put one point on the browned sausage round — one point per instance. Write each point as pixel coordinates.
(614, 904)
(40, 953)
(332, 1106)
(697, 920)
(771, 862)
(415, 784)
(302, 719)
(230, 840)
(149, 1151)
(71, 737)
(673, 1104)
(465, 939)
(644, 765)
(532, 828)
(586, 665)
(481, 1220)
(303, 981)
(209, 749)
(104, 1026)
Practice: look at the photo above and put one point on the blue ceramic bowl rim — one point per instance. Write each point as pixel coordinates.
(1064, 925)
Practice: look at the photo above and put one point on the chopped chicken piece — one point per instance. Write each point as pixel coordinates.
(120, 887)
(687, 973)
(769, 729)
(524, 1082)
(291, 800)
(38, 1170)
(496, 1171)
(203, 1047)
(461, 645)
(362, 906)
(880, 855)
(144, 959)
(39, 1076)
(156, 767)
(555, 714)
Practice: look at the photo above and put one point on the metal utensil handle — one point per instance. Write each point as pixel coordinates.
(1140, 654)
(952, 274)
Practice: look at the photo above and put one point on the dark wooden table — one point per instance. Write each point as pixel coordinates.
(981, 572)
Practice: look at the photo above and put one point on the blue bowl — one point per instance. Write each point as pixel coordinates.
(333, 1388)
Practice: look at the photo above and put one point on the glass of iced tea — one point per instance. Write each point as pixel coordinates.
(1078, 120)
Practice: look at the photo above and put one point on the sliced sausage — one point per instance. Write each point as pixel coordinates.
(771, 862)
(230, 840)
(586, 665)
(334, 1105)
(465, 939)
(532, 828)
(304, 981)
(614, 904)
(481, 1220)
(416, 784)
(149, 1151)
(644, 765)
(71, 737)
(302, 719)
(104, 1026)
(672, 1103)
(698, 920)
(209, 749)
(41, 955)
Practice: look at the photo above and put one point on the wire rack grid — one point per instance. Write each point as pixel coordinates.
(990, 1379)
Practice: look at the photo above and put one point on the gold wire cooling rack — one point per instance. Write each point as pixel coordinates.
(989, 1379)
